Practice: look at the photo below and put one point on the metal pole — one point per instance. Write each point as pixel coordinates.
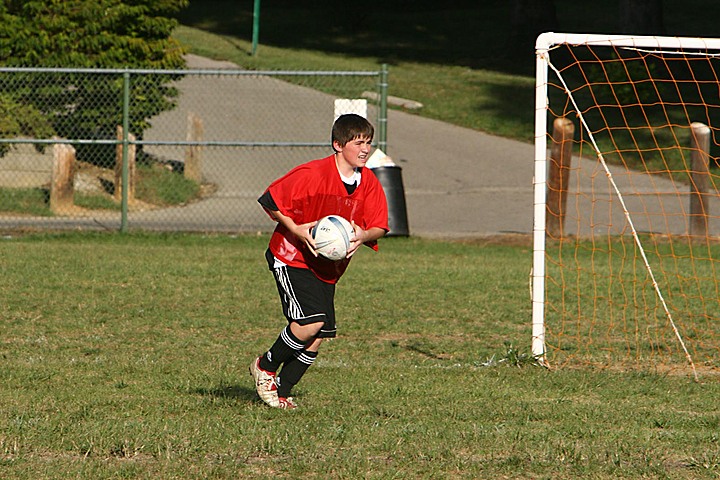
(382, 117)
(256, 26)
(542, 47)
(125, 148)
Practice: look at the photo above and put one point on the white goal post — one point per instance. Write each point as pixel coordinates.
(625, 74)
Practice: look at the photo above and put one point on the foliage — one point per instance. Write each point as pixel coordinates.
(514, 357)
(89, 34)
(21, 120)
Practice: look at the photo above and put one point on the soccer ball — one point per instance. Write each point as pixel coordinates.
(332, 236)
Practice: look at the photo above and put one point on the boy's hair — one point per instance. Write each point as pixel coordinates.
(350, 126)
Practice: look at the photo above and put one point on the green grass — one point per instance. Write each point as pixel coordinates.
(601, 306)
(125, 356)
(31, 201)
(159, 186)
(155, 185)
(95, 202)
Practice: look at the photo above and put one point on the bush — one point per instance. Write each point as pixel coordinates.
(88, 34)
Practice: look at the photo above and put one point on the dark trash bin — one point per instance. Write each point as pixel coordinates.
(390, 177)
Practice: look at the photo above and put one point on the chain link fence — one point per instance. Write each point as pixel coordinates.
(195, 148)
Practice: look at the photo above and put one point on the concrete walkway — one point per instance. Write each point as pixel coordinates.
(457, 182)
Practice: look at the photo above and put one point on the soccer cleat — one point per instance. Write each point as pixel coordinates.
(264, 384)
(286, 403)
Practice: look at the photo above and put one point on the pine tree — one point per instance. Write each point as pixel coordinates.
(86, 34)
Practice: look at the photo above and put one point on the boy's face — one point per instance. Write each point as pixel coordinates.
(356, 152)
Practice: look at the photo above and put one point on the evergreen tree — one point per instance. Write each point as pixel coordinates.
(86, 34)
(641, 17)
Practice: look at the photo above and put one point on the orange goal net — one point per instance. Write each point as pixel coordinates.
(626, 265)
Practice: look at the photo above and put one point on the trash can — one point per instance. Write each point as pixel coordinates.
(390, 177)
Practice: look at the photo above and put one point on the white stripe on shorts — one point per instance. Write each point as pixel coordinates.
(294, 308)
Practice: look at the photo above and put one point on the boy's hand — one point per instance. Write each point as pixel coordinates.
(300, 231)
(304, 233)
(363, 236)
(357, 239)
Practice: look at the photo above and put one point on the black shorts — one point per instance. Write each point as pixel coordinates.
(305, 298)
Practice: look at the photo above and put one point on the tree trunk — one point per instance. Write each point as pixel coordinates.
(641, 17)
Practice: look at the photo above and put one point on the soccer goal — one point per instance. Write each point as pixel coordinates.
(626, 254)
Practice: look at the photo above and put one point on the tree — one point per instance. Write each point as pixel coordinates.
(89, 34)
(641, 17)
(529, 19)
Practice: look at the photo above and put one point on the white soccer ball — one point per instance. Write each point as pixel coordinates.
(332, 236)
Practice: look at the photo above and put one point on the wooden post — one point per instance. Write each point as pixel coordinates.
(119, 165)
(62, 185)
(699, 179)
(193, 153)
(559, 176)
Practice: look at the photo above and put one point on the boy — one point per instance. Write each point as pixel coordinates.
(341, 185)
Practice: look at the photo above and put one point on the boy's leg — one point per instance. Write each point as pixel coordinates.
(294, 369)
(286, 346)
(288, 349)
(308, 305)
(322, 299)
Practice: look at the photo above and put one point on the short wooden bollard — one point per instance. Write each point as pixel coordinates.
(559, 176)
(699, 179)
(62, 185)
(119, 166)
(193, 153)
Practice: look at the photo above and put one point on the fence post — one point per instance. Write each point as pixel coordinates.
(699, 179)
(559, 176)
(256, 26)
(382, 117)
(125, 153)
(124, 167)
(62, 186)
(193, 153)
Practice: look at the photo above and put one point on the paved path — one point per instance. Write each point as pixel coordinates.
(458, 182)
(464, 183)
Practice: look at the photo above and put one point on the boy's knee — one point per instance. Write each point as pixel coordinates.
(306, 331)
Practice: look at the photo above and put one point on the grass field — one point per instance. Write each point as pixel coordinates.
(126, 357)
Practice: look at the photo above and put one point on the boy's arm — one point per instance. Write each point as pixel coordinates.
(268, 202)
(300, 231)
(364, 236)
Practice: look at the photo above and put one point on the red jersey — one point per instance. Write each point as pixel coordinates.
(313, 190)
